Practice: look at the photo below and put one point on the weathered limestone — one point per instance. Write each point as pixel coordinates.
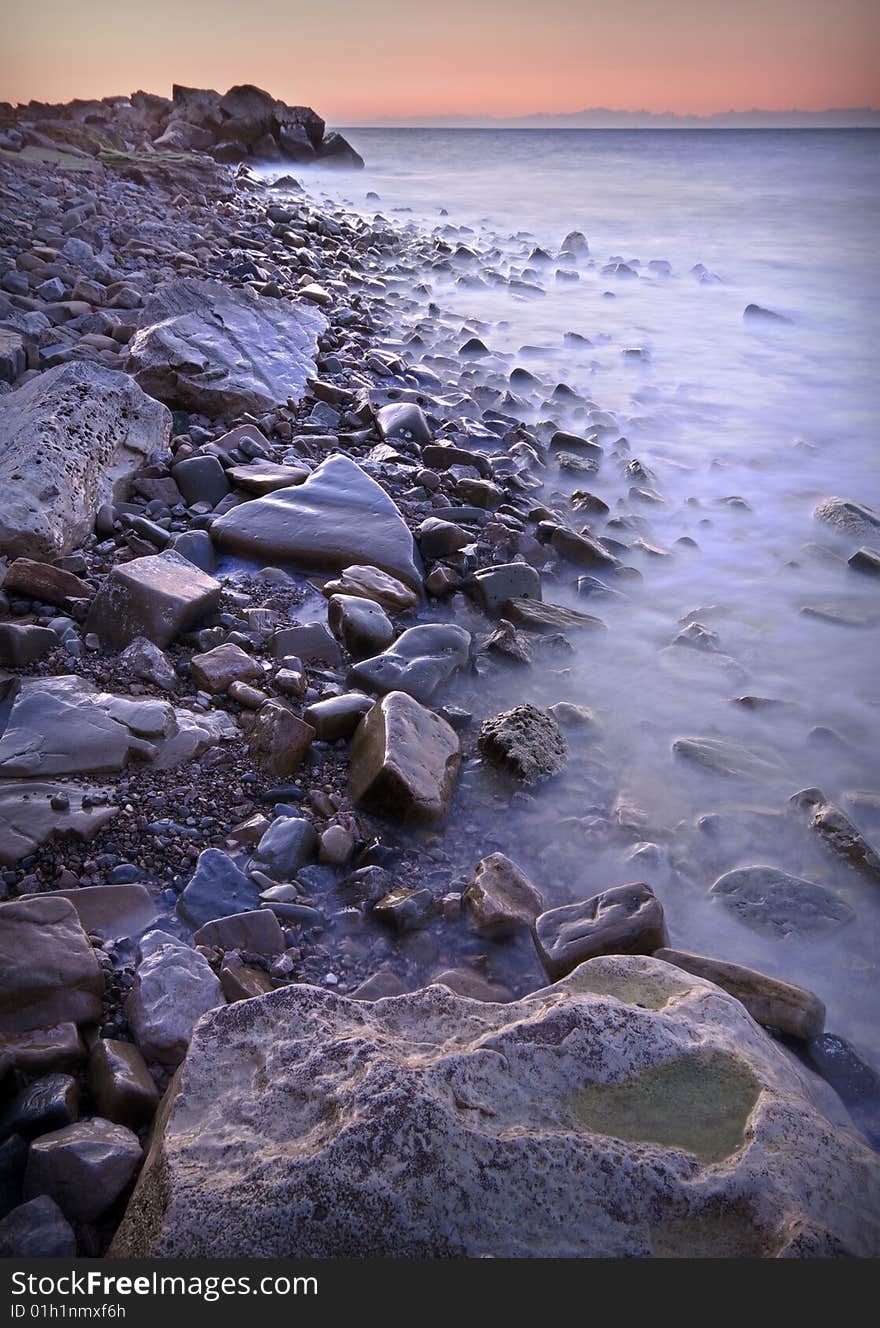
(526, 742)
(173, 986)
(627, 919)
(339, 516)
(630, 1110)
(70, 440)
(404, 760)
(792, 1010)
(501, 897)
(157, 597)
(223, 350)
(48, 971)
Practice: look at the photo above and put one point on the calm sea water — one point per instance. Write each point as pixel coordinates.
(780, 416)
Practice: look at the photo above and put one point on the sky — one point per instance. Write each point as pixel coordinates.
(361, 61)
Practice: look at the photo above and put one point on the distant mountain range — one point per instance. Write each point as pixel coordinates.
(599, 117)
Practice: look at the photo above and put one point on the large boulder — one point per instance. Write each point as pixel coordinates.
(49, 973)
(222, 350)
(156, 597)
(339, 516)
(70, 440)
(404, 760)
(630, 1110)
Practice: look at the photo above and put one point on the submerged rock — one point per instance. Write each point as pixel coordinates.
(501, 898)
(848, 517)
(526, 742)
(771, 900)
(584, 1120)
(838, 832)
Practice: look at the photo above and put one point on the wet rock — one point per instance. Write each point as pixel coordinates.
(362, 626)
(288, 844)
(201, 479)
(110, 911)
(793, 1010)
(404, 760)
(404, 420)
(158, 597)
(619, 1087)
(337, 845)
(241, 981)
(526, 742)
(627, 919)
(148, 662)
(722, 758)
(223, 350)
(338, 716)
(378, 986)
(44, 582)
(501, 898)
(257, 931)
(372, 584)
(772, 901)
(48, 971)
(217, 669)
(838, 832)
(466, 982)
(173, 986)
(264, 477)
(32, 813)
(441, 539)
(494, 587)
(70, 440)
(37, 1230)
(339, 516)
(755, 313)
(855, 1082)
(45, 1104)
(39, 1050)
(307, 641)
(84, 1167)
(22, 644)
(582, 550)
(848, 517)
(421, 660)
(866, 560)
(217, 888)
(405, 909)
(278, 740)
(120, 1083)
(535, 616)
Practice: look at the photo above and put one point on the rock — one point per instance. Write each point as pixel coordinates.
(421, 660)
(278, 741)
(110, 911)
(216, 889)
(526, 742)
(537, 617)
(70, 440)
(257, 931)
(44, 582)
(84, 1167)
(337, 845)
(440, 539)
(201, 479)
(404, 909)
(196, 547)
(48, 970)
(362, 626)
(28, 817)
(58, 1047)
(501, 898)
(240, 981)
(838, 832)
(856, 1083)
(493, 587)
(793, 1010)
(755, 313)
(641, 1096)
(772, 901)
(723, 758)
(307, 641)
(216, 669)
(13, 1157)
(22, 644)
(37, 1230)
(465, 982)
(404, 760)
(372, 584)
(866, 560)
(338, 716)
(337, 151)
(337, 517)
(627, 919)
(403, 420)
(158, 597)
(582, 550)
(45, 1104)
(223, 350)
(848, 517)
(288, 844)
(121, 1086)
(147, 661)
(378, 986)
(173, 986)
(13, 355)
(264, 477)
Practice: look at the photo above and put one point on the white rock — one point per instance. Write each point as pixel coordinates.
(173, 987)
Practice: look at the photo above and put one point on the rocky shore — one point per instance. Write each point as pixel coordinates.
(275, 529)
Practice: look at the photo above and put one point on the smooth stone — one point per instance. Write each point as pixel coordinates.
(440, 539)
(421, 660)
(627, 919)
(216, 889)
(339, 516)
(37, 1230)
(173, 987)
(793, 1010)
(372, 584)
(216, 669)
(723, 758)
(49, 973)
(306, 641)
(201, 479)
(84, 1167)
(403, 420)
(278, 741)
(39, 1050)
(45, 1104)
(338, 716)
(159, 597)
(526, 742)
(120, 1083)
(44, 582)
(110, 911)
(404, 760)
(770, 900)
(582, 550)
(501, 898)
(22, 644)
(262, 477)
(494, 587)
(196, 547)
(866, 560)
(362, 626)
(257, 931)
(148, 662)
(288, 844)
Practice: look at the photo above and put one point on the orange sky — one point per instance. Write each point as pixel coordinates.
(361, 60)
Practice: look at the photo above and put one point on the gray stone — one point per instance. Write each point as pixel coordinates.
(158, 597)
(337, 517)
(537, 617)
(405, 909)
(362, 626)
(262, 477)
(110, 911)
(306, 641)
(48, 971)
(201, 479)
(121, 1086)
(70, 440)
(288, 844)
(22, 644)
(848, 517)
(84, 1167)
(403, 420)
(627, 919)
(216, 889)
(278, 740)
(338, 716)
(493, 587)
(838, 832)
(421, 660)
(645, 1100)
(501, 898)
(28, 817)
(582, 550)
(404, 760)
(770, 900)
(173, 987)
(439, 539)
(257, 931)
(215, 670)
(148, 662)
(723, 758)
(793, 1010)
(866, 560)
(37, 1230)
(526, 742)
(223, 350)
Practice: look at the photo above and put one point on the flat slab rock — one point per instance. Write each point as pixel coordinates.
(223, 350)
(70, 440)
(772, 901)
(337, 517)
(28, 818)
(585, 1120)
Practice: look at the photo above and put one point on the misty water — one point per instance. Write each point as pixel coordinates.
(773, 416)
